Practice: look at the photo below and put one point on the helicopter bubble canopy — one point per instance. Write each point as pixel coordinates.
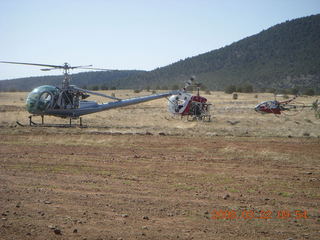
(41, 99)
(178, 103)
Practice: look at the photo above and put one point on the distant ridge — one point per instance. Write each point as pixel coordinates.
(84, 79)
(284, 56)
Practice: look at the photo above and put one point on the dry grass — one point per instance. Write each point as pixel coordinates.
(153, 117)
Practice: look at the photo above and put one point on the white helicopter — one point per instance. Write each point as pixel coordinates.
(194, 107)
(68, 101)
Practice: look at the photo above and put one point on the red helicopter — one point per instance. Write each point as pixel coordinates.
(193, 107)
(277, 107)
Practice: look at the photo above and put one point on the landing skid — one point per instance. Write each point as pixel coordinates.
(203, 118)
(42, 124)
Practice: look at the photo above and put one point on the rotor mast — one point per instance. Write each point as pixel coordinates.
(67, 77)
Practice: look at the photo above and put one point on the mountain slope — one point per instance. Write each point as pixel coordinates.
(85, 79)
(284, 56)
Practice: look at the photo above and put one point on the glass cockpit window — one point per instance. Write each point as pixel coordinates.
(45, 96)
(33, 96)
(41, 98)
(44, 101)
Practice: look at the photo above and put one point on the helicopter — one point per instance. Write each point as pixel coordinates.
(185, 104)
(277, 107)
(69, 100)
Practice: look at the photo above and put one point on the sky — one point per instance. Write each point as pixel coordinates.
(130, 34)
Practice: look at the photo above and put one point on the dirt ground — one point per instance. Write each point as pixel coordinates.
(160, 178)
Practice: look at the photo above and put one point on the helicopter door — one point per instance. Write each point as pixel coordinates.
(45, 101)
(178, 103)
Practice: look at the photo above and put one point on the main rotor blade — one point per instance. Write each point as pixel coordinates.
(97, 93)
(57, 66)
(34, 64)
(80, 66)
(98, 69)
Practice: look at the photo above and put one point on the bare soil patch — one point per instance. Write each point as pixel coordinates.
(79, 184)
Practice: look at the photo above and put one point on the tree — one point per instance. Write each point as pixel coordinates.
(175, 87)
(230, 89)
(309, 92)
(203, 87)
(271, 90)
(12, 89)
(294, 91)
(94, 87)
(239, 89)
(104, 87)
(247, 88)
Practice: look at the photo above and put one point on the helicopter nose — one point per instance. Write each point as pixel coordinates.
(257, 108)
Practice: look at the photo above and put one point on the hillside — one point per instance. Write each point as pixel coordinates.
(284, 56)
(85, 79)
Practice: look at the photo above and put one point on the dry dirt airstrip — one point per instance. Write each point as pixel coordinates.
(138, 173)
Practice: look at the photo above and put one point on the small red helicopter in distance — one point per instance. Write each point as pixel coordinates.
(277, 107)
(194, 107)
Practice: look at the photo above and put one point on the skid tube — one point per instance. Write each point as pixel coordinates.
(43, 124)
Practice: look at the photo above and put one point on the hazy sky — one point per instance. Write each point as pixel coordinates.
(124, 34)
